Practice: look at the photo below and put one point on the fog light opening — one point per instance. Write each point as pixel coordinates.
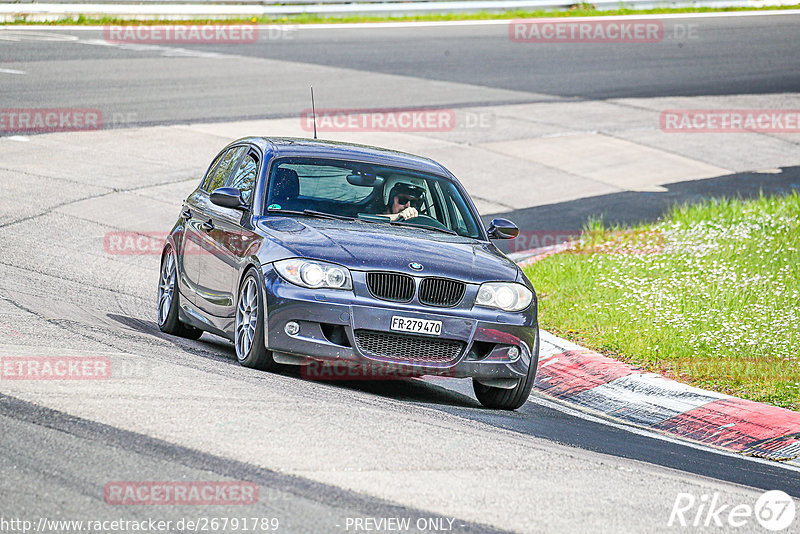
(480, 350)
(336, 334)
(292, 328)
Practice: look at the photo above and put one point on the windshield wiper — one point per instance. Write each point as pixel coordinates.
(328, 215)
(312, 213)
(445, 230)
(373, 218)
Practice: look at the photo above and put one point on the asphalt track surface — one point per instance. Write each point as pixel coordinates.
(697, 56)
(322, 452)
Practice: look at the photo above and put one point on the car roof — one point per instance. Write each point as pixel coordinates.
(317, 148)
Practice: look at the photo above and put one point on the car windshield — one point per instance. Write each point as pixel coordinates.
(314, 186)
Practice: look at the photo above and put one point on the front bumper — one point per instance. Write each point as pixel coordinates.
(332, 322)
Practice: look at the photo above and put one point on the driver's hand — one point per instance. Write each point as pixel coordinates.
(408, 213)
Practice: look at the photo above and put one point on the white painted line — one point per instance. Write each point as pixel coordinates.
(20, 138)
(12, 71)
(563, 407)
(9, 33)
(166, 51)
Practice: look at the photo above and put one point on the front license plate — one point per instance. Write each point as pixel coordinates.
(416, 326)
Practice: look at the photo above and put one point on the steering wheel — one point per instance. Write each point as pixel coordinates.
(424, 209)
(426, 220)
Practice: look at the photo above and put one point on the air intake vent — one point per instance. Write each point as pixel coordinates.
(408, 348)
(391, 286)
(441, 292)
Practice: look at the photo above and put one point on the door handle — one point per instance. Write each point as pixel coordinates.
(187, 214)
(208, 225)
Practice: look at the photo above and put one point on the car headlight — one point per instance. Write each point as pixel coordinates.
(508, 296)
(314, 274)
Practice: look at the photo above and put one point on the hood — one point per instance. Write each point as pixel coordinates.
(364, 246)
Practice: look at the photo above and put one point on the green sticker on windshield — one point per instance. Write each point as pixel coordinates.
(274, 207)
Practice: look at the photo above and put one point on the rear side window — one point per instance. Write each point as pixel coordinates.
(210, 173)
(218, 176)
(245, 178)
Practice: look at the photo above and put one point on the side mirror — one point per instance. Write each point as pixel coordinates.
(502, 229)
(228, 197)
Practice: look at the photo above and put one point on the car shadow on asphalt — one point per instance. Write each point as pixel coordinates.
(416, 390)
(208, 346)
(403, 389)
(545, 225)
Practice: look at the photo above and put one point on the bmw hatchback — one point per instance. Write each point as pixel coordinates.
(301, 252)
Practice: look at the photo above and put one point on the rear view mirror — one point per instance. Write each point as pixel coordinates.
(502, 229)
(364, 180)
(228, 197)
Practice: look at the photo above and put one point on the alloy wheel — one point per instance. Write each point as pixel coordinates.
(246, 318)
(166, 288)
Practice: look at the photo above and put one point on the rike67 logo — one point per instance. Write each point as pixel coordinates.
(774, 510)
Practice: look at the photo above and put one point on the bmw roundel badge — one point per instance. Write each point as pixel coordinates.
(416, 266)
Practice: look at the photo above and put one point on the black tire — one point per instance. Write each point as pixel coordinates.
(509, 399)
(256, 355)
(168, 322)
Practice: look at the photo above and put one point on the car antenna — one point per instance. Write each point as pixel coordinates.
(313, 112)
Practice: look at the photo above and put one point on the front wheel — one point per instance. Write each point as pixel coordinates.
(249, 327)
(509, 399)
(169, 300)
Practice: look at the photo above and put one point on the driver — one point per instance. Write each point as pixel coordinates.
(404, 201)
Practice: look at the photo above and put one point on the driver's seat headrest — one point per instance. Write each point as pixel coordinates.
(287, 185)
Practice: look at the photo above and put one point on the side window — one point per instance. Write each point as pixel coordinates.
(211, 170)
(245, 178)
(220, 175)
(458, 212)
(458, 221)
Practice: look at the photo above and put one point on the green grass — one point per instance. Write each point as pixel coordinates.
(580, 10)
(709, 296)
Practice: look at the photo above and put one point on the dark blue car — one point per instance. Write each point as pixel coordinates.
(302, 252)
